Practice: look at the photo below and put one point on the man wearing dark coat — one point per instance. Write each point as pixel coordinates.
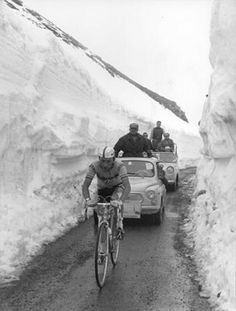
(132, 144)
(156, 135)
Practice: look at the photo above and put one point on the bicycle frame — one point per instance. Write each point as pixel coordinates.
(107, 242)
(106, 213)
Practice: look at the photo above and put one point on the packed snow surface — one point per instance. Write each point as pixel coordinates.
(57, 108)
(213, 213)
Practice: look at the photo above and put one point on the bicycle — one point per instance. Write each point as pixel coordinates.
(108, 239)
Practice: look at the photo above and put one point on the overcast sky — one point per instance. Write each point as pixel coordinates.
(162, 44)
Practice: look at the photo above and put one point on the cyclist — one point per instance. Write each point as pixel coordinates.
(112, 180)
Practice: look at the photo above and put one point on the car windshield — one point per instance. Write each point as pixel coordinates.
(139, 168)
(167, 157)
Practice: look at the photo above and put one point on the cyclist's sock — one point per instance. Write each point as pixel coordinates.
(120, 229)
(120, 223)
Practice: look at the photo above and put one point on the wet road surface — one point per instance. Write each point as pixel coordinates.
(153, 272)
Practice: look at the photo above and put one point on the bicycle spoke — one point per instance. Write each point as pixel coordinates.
(101, 255)
(115, 249)
(114, 242)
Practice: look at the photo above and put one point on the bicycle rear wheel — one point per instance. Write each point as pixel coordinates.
(101, 254)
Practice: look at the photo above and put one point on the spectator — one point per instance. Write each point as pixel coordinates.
(132, 144)
(156, 135)
(145, 135)
(166, 144)
(162, 174)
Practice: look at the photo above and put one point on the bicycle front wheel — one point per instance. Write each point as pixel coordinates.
(114, 242)
(114, 249)
(101, 254)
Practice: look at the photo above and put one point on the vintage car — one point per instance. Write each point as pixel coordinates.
(148, 194)
(169, 161)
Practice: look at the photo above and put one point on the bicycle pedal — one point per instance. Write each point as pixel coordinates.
(101, 258)
(120, 234)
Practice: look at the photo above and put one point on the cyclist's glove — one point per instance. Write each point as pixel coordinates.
(91, 203)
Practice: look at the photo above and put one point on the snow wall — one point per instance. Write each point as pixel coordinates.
(214, 209)
(56, 108)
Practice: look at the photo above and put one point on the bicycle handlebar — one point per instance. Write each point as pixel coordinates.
(100, 199)
(94, 204)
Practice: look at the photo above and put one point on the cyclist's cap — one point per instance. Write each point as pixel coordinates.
(106, 152)
(133, 126)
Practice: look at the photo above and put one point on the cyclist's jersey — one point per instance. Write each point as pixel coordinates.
(110, 178)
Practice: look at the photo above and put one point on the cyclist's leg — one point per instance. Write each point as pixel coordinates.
(104, 195)
(119, 212)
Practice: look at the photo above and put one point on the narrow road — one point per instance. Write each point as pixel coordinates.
(153, 272)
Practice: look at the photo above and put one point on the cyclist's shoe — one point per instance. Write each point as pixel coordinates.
(101, 257)
(120, 234)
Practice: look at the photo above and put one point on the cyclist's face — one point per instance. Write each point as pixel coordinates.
(106, 164)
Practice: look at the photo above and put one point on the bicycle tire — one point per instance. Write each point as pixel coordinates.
(115, 250)
(101, 261)
(114, 243)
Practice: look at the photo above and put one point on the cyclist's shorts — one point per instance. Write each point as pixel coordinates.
(113, 193)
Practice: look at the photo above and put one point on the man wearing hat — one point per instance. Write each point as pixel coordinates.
(132, 144)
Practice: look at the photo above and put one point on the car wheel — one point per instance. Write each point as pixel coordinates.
(174, 187)
(177, 181)
(95, 217)
(158, 217)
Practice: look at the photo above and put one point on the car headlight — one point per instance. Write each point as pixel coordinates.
(170, 170)
(151, 194)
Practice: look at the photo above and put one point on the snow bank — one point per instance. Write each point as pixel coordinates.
(57, 108)
(214, 209)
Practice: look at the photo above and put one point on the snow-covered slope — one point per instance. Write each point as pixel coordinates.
(57, 107)
(214, 210)
(44, 23)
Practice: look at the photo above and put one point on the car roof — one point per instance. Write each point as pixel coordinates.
(164, 152)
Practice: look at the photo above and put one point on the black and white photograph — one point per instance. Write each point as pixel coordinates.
(117, 155)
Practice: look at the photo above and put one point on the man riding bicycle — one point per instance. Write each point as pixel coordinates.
(112, 180)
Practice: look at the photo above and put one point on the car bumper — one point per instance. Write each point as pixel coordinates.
(171, 181)
(145, 210)
(149, 210)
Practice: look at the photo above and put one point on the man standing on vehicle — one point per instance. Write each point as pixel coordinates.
(132, 144)
(145, 135)
(156, 135)
(112, 180)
